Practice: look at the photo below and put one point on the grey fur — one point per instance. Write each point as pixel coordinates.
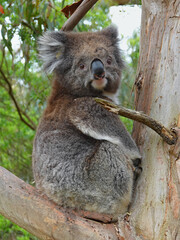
(83, 156)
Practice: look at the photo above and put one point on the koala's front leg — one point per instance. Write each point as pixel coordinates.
(95, 121)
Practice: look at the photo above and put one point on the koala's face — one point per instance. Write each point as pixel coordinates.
(86, 64)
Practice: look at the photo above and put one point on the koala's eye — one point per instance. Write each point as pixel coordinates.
(109, 60)
(81, 66)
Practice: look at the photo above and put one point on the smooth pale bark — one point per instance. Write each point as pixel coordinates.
(24, 205)
(156, 209)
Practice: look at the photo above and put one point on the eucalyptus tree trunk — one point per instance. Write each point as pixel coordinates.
(156, 209)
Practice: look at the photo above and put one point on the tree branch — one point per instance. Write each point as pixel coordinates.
(78, 14)
(24, 205)
(10, 91)
(168, 136)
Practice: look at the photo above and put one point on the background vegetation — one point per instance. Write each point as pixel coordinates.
(23, 88)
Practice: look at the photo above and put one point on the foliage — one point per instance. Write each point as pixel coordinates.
(10, 231)
(133, 2)
(128, 77)
(120, 2)
(129, 73)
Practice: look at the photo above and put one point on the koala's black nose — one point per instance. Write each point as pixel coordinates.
(97, 69)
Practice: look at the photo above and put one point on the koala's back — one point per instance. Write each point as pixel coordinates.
(78, 171)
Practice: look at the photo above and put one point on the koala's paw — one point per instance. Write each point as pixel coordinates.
(137, 167)
(176, 150)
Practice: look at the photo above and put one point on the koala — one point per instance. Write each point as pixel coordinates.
(83, 157)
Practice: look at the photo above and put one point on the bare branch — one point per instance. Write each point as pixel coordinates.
(10, 91)
(24, 205)
(78, 14)
(168, 136)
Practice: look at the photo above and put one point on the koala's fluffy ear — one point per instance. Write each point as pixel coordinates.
(51, 49)
(111, 32)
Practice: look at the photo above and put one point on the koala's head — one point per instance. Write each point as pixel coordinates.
(86, 64)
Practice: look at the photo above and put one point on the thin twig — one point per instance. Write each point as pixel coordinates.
(168, 136)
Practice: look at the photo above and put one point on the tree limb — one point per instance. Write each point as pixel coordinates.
(168, 136)
(78, 14)
(24, 205)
